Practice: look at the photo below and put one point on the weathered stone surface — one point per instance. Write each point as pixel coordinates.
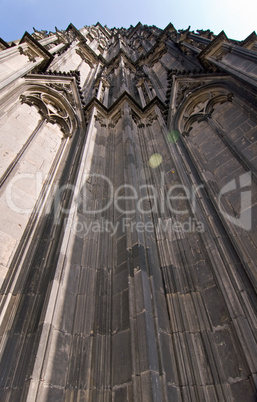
(128, 246)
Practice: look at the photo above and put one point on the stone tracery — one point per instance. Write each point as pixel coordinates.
(132, 315)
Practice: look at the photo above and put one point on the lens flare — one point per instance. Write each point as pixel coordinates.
(155, 160)
(173, 136)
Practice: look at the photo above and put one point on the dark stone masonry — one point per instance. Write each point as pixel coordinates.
(128, 225)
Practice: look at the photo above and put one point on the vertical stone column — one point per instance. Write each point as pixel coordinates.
(141, 95)
(150, 93)
(106, 95)
(123, 75)
(59, 321)
(143, 333)
(56, 48)
(99, 92)
(222, 247)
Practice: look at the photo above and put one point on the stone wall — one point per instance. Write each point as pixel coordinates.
(128, 272)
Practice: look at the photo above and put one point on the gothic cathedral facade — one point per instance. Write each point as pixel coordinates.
(128, 225)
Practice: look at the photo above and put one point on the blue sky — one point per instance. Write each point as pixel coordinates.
(238, 19)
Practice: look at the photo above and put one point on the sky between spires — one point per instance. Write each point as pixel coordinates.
(236, 18)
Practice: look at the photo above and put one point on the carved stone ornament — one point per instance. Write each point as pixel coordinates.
(66, 91)
(101, 119)
(151, 118)
(28, 52)
(116, 118)
(135, 117)
(50, 109)
(202, 109)
(186, 88)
